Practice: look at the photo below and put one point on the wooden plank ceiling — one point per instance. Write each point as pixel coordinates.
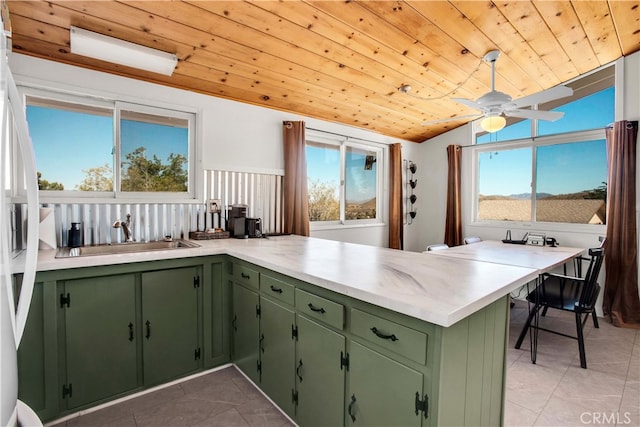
(343, 61)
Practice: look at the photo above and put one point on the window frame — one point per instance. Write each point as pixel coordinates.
(116, 106)
(532, 143)
(342, 142)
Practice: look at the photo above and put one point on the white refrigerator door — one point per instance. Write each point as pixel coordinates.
(8, 356)
(13, 320)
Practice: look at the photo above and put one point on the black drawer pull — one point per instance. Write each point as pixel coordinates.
(277, 290)
(298, 370)
(350, 409)
(317, 310)
(391, 337)
(245, 276)
(148, 335)
(130, 331)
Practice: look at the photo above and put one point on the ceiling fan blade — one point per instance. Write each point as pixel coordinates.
(468, 103)
(550, 116)
(450, 119)
(542, 97)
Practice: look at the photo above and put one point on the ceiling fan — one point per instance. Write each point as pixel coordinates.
(496, 105)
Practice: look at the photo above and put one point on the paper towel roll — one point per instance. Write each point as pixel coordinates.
(47, 229)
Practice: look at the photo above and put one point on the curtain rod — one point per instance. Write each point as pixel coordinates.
(630, 124)
(344, 136)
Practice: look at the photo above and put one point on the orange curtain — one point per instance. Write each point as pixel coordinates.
(453, 225)
(296, 199)
(620, 300)
(396, 229)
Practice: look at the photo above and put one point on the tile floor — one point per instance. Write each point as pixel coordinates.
(223, 398)
(555, 391)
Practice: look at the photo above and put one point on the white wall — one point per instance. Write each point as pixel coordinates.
(233, 136)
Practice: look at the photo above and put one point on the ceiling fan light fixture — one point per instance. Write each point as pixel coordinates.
(493, 123)
(104, 48)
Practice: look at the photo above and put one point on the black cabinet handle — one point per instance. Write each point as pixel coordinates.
(130, 331)
(245, 276)
(262, 342)
(148, 335)
(317, 310)
(276, 290)
(234, 323)
(391, 337)
(298, 370)
(350, 410)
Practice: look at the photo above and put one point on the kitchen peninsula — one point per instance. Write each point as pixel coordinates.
(332, 332)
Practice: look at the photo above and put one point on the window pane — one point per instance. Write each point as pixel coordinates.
(360, 184)
(572, 182)
(504, 185)
(155, 152)
(72, 144)
(323, 178)
(591, 112)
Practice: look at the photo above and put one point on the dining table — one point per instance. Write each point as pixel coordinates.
(542, 258)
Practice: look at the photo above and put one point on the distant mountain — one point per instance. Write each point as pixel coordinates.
(526, 196)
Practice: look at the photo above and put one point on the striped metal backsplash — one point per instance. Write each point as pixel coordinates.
(262, 193)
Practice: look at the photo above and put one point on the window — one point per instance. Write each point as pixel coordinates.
(557, 176)
(343, 180)
(87, 147)
(569, 182)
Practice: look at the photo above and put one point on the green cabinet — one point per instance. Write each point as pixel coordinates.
(246, 331)
(215, 313)
(100, 337)
(170, 324)
(277, 353)
(98, 333)
(382, 391)
(320, 375)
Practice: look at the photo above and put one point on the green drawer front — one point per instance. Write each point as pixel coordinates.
(277, 289)
(404, 341)
(245, 275)
(320, 308)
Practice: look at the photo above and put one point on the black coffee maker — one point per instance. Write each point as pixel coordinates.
(74, 235)
(236, 221)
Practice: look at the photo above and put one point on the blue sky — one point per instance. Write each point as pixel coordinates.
(66, 142)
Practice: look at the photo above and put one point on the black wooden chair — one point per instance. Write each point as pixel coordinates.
(568, 293)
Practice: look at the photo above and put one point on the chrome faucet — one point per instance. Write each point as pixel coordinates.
(126, 228)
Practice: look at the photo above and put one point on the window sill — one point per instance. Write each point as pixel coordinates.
(338, 226)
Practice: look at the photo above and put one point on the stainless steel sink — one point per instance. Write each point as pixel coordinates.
(122, 248)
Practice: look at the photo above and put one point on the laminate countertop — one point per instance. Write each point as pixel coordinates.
(439, 290)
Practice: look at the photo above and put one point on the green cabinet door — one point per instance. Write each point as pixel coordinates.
(319, 375)
(382, 392)
(246, 331)
(169, 324)
(277, 346)
(100, 345)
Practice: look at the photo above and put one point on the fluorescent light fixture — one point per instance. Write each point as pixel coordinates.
(493, 123)
(98, 46)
